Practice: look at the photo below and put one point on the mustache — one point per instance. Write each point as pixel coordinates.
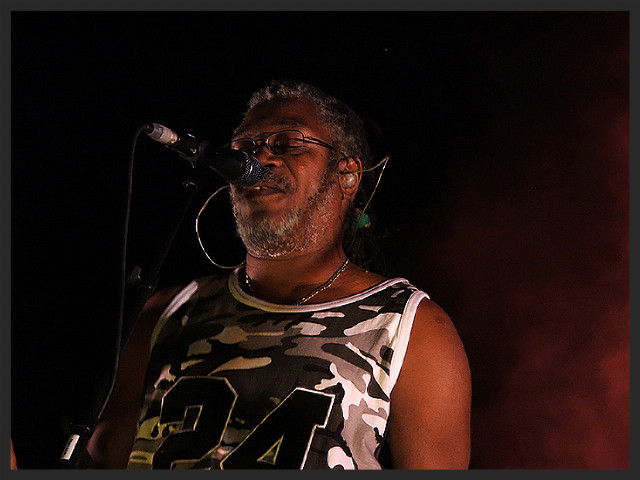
(269, 180)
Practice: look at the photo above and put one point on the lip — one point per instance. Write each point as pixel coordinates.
(261, 191)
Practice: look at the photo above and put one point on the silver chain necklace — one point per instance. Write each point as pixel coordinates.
(308, 297)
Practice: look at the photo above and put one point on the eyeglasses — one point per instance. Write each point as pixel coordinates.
(278, 143)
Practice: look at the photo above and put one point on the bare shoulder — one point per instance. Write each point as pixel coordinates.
(154, 307)
(436, 356)
(431, 401)
(158, 302)
(432, 327)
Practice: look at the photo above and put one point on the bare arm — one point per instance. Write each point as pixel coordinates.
(113, 437)
(14, 462)
(429, 424)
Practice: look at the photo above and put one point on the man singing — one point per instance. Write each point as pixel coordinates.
(300, 358)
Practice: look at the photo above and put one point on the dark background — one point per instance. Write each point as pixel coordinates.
(506, 197)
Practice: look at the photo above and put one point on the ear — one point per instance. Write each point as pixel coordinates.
(349, 182)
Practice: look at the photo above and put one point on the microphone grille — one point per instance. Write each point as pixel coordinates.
(253, 171)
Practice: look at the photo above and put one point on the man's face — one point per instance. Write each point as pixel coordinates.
(298, 200)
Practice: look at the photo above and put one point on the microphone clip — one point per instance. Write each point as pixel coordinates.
(187, 146)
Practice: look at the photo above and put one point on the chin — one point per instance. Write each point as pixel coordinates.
(269, 236)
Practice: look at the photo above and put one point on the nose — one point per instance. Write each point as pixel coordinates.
(265, 155)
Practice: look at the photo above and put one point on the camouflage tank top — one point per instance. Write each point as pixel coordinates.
(237, 382)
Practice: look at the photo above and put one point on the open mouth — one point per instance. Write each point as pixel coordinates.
(261, 190)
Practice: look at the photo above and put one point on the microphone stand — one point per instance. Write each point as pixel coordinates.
(142, 279)
(139, 284)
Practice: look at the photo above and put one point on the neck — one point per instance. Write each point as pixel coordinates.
(287, 279)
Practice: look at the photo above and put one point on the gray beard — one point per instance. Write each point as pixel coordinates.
(296, 232)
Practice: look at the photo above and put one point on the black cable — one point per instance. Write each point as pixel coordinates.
(75, 449)
(123, 270)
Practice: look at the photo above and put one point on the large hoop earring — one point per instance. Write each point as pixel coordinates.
(204, 206)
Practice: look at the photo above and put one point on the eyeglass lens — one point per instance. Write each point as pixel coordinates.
(278, 142)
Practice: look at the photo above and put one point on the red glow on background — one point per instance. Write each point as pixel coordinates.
(537, 258)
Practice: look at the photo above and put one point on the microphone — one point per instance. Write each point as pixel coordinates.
(235, 166)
